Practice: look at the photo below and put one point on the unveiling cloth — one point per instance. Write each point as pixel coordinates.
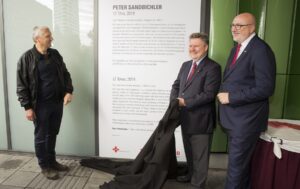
(276, 160)
(153, 165)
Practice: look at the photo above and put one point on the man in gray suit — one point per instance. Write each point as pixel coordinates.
(196, 87)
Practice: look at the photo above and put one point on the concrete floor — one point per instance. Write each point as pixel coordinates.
(20, 170)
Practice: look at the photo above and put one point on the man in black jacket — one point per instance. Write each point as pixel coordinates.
(43, 86)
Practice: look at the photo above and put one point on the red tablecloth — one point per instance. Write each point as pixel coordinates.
(270, 172)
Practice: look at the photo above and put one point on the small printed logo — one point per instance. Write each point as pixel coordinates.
(115, 149)
(178, 153)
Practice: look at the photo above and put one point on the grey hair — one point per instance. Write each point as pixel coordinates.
(38, 31)
(203, 36)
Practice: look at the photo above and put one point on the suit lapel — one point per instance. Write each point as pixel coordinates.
(197, 72)
(229, 69)
(186, 72)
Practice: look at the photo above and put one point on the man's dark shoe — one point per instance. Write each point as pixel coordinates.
(59, 167)
(185, 178)
(50, 174)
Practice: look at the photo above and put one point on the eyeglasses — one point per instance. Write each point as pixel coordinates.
(239, 26)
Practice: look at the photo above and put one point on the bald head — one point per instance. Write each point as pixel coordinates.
(243, 25)
(248, 18)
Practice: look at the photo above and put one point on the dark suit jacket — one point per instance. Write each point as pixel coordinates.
(199, 115)
(250, 82)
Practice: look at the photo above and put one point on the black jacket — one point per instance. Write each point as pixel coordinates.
(154, 164)
(27, 76)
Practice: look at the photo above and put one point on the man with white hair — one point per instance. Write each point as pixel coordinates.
(44, 85)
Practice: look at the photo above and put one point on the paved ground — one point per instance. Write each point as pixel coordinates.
(20, 170)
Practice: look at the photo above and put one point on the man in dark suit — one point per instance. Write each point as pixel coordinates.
(248, 82)
(196, 87)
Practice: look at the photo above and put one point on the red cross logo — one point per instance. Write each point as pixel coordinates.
(115, 149)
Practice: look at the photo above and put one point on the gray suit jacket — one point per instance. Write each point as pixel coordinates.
(199, 115)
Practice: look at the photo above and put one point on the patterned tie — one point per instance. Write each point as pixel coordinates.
(192, 71)
(235, 55)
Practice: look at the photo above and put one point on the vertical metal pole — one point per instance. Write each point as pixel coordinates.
(96, 80)
(5, 89)
(205, 16)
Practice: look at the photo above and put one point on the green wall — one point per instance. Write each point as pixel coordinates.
(292, 100)
(220, 46)
(278, 36)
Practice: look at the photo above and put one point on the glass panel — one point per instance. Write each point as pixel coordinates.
(292, 104)
(71, 22)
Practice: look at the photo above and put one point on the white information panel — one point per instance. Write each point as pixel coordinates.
(142, 44)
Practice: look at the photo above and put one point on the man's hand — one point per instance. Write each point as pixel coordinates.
(30, 115)
(223, 98)
(181, 102)
(68, 98)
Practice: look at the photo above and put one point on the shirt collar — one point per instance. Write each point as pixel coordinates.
(246, 42)
(198, 61)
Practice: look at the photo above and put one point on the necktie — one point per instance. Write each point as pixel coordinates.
(194, 67)
(235, 55)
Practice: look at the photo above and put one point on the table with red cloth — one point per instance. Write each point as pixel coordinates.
(276, 159)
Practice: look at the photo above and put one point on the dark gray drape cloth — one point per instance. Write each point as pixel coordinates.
(153, 165)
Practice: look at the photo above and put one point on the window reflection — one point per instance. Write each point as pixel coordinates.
(71, 19)
(75, 45)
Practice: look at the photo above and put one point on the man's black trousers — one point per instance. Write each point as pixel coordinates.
(47, 124)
